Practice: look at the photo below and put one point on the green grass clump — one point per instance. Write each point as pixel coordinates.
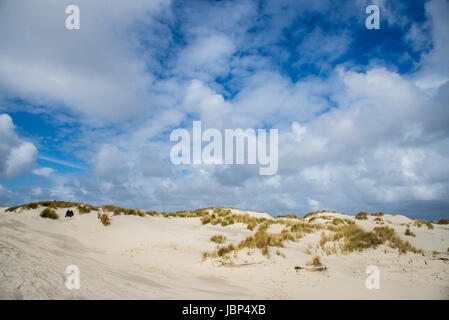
(409, 233)
(212, 254)
(251, 225)
(443, 221)
(337, 221)
(85, 208)
(200, 212)
(290, 216)
(104, 218)
(130, 212)
(324, 238)
(300, 228)
(227, 220)
(418, 223)
(215, 221)
(222, 251)
(119, 210)
(11, 209)
(221, 212)
(57, 204)
(51, 204)
(49, 213)
(357, 239)
(262, 239)
(378, 220)
(310, 214)
(251, 222)
(205, 219)
(362, 215)
(141, 213)
(185, 214)
(33, 205)
(218, 238)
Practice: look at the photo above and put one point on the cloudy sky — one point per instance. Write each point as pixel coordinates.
(363, 115)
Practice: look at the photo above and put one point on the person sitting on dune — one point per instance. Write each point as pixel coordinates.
(69, 213)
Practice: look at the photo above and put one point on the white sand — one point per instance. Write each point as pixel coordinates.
(253, 214)
(161, 258)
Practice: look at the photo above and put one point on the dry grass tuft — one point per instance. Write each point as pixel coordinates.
(104, 218)
(409, 233)
(337, 221)
(219, 238)
(362, 215)
(316, 262)
(324, 238)
(51, 204)
(49, 213)
(357, 239)
(205, 219)
(85, 208)
(419, 223)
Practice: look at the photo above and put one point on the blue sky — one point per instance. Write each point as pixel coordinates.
(362, 114)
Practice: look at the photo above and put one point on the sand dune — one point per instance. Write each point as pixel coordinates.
(160, 257)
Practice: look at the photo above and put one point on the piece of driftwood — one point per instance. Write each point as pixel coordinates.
(320, 268)
(312, 269)
(440, 258)
(235, 265)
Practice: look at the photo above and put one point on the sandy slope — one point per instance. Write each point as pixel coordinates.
(156, 257)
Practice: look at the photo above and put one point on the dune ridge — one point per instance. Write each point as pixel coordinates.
(218, 253)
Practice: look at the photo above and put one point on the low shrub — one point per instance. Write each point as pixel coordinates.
(409, 233)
